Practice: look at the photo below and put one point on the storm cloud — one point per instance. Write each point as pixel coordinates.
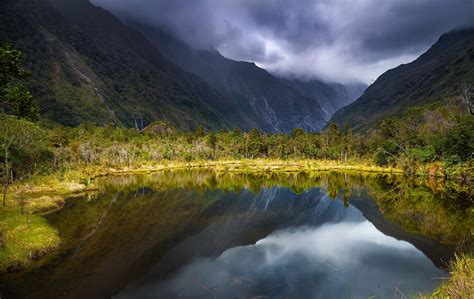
(345, 40)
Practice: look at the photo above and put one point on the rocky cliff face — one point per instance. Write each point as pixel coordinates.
(331, 97)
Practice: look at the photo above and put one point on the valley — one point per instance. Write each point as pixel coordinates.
(172, 150)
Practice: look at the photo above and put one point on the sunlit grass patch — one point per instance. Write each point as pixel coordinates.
(74, 180)
(24, 238)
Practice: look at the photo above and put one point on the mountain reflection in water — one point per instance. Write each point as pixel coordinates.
(344, 257)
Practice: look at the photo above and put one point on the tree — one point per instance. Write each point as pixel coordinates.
(333, 134)
(10, 65)
(346, 142)
(199, 132)
(460, 140)
(212, 141)
(466, 97)
(254, 144)
(18, 139)
(15, 99)
(297, 132)
(333, 141)
(237, 132)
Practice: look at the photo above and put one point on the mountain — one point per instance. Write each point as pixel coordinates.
(330, 96)
(276, 104)
(87, 66)
(435, 75)
(100, 71)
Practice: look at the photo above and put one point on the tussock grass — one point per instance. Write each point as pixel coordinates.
(461, 283)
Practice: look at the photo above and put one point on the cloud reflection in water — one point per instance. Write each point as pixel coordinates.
(347, 259)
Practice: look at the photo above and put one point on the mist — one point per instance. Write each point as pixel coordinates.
(343, 41)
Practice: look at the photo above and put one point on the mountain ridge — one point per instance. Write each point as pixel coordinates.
(73, 74)
(247, 82)
(435, 75)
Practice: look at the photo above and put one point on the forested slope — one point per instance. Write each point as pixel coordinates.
(102, 73)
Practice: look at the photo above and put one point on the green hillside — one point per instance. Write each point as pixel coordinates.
(102, 73)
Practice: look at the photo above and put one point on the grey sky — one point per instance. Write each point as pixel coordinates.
(339, 40)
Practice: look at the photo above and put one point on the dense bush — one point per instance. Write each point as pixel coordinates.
(428, 134)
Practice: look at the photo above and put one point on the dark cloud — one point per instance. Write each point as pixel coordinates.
(408, 27)
(296, 25)
(341, 40)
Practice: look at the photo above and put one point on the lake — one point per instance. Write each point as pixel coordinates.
(202, 234)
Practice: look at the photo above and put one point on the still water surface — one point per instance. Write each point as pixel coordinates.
(198, 234)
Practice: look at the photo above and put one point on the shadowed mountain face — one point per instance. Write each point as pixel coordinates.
(100, 71)
(330, 96)
(273, 104)
(435, 75)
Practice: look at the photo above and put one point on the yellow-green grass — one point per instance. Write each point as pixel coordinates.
(24, 238)
(77, 180)
(43, 204)
(461, 283)
(81, 179)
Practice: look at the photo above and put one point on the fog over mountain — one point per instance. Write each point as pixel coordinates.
(342, 41)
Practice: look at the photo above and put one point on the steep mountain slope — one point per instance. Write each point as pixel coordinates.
(435, 75)
(101, 72)
(277, 104)
(88, 67)
(330, 96)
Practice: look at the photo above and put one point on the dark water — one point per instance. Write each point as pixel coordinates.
(204, 235)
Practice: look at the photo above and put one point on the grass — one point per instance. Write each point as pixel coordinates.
(44, 204)
(461, 283)
(62, 184)
(80, 177)
(24, 238)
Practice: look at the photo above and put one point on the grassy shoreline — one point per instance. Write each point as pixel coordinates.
(82, 180)
(43, 193)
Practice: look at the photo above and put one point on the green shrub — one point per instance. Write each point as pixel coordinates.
(423, 154)
(381, 158)
(86, 181)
